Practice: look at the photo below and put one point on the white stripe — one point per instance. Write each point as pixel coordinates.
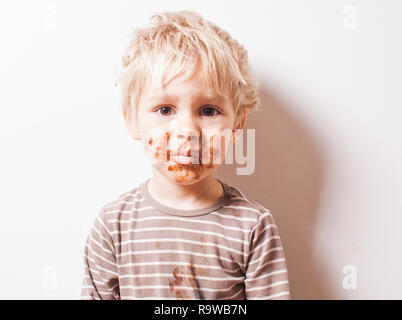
(244, 242)
(101, 257)
(151, 252)
(99, 283)
(169, 275)
(170, 298)
(107, 230)
(97, 273)
(175, 263)
(87, 287)
(273, 249)
(242, 207)
(262, 216)
(178, 219)
(273, 273)
(100, 245)
(123, 201)
(130, 193)
(268, 286)
(91, 270)
(269, 297)
(266, 241)
(266, 214)
(265, 254)
(272, 261)
(101, 235)
(130, 210)
(101, 268)
(178, 287)
(181, 241)
(225, 215)
(93, 281)
(253, 202)
(266, 275)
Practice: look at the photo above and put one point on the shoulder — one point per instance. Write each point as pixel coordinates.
(123, 204)
(244, 205)
(264, 222)
(123, 201)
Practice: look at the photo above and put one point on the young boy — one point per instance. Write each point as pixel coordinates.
(184, 234)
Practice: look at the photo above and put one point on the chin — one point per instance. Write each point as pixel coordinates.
(184, 180)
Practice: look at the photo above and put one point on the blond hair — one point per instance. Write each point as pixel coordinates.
(176, 44)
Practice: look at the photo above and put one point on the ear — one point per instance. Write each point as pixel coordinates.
(239, 124)
(131, 124)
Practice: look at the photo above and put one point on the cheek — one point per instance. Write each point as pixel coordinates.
(217, 144)
(156, 146)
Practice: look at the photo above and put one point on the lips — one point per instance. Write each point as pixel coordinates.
(184, 157)
(188, 153)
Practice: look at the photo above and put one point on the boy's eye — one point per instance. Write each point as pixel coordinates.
(165, 110)
(209, 112)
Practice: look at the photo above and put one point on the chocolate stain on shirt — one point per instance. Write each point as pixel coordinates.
(184, 276)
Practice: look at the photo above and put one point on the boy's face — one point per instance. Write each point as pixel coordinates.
(185, 128)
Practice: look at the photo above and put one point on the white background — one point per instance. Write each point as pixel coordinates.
(329, 155)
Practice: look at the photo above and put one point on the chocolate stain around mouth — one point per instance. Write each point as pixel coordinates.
(183, 171)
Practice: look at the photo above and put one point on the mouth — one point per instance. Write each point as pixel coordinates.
(178, 158)
(184, 157)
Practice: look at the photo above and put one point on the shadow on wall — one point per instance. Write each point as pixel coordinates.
(288, 179)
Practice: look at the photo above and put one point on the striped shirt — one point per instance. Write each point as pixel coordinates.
(138, 248)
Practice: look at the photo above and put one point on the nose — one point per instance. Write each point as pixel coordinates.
(187, 120)
(185, 126)
(185, 132)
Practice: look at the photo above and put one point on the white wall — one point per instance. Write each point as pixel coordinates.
(329, 156)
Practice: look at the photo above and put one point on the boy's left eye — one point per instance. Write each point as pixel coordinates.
(209, 111)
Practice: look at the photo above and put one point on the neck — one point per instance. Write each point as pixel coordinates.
(200, 194)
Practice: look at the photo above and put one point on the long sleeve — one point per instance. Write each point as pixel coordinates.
(266, 270)
(100, 281)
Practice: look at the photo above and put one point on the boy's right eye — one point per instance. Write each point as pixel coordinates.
(165, 110)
